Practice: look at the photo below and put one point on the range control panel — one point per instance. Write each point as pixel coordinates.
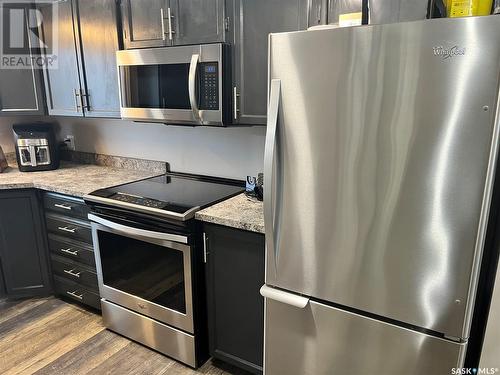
(141, 201)
(209, 86)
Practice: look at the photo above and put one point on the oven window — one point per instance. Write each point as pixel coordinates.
(151, 272)
(156, 86)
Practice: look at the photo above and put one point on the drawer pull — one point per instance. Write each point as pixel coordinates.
(66, 229)
(63, 206)
(72, 273)
(68, 251)
(73, 294)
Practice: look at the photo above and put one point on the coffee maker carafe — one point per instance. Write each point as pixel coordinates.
(36, 147)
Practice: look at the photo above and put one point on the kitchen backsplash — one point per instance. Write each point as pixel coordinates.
(224, 152)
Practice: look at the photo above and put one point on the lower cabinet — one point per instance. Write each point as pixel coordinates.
(235, 274)
(71, 251)
(24, 268)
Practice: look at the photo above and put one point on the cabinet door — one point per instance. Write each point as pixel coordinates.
(198, 21)
(254, 20)
(99, 43)
(21, 90)
(62, 85)
(145, 23)
(23, 250)
(235, 274)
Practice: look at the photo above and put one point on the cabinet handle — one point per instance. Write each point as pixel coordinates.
(205, 247)
(72, 273)
(63, 206)
(86, 104)
(68, 251)
(76, 93)
(73, 294)
(162, 15)
(236, 97)
(169, 16)
(66, 229)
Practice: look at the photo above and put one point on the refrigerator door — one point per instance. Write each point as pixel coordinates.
(322, 340)
(380, 153)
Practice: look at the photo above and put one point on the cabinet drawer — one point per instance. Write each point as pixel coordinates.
(69, 228)
(73, 250)
(65, 205)
(75, 272)
(76, 292)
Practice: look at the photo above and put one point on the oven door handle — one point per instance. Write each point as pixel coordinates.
(127, 231)
(193, 69)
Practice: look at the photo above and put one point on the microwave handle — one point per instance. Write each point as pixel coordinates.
(193, 68)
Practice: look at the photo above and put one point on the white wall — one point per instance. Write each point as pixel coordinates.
(224, 152)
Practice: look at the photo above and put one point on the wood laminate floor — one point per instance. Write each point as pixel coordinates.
(50, 336)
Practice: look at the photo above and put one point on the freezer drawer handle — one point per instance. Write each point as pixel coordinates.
(284, 297)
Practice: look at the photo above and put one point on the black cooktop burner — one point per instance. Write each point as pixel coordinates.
(171, 195)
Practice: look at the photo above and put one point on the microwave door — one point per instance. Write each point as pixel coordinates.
(173, 85)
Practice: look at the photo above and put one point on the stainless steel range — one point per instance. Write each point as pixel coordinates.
(150, 261)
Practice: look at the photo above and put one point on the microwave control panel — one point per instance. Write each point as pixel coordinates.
(209, 86)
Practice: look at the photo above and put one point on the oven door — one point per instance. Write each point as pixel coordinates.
(178, 85)
(146, 271)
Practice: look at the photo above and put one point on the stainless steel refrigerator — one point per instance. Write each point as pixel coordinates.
(381, 150)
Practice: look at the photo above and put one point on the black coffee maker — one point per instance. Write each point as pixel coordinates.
(36, 147)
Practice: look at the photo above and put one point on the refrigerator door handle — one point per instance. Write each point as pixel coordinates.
(284, 297)
(269, 177)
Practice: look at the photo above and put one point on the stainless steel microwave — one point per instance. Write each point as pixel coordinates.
(188, 85)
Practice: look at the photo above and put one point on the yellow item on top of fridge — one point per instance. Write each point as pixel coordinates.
(465, 8)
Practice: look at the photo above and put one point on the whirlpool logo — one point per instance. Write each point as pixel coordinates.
(448, 52)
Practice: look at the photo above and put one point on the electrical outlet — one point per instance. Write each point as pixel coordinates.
(69, 140)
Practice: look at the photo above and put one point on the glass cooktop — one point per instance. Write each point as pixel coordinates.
(168, 195)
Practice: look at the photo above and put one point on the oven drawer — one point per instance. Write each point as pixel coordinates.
(76, 292)
(165, 339)
(73, 250)
(75, 272)
(65, 205)
(69, 228)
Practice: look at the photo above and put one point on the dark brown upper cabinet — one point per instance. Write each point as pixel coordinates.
(21, 90)
(253, 22)
(85, 82)
(159, 23)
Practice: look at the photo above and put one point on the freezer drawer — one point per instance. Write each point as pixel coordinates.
(320, 339)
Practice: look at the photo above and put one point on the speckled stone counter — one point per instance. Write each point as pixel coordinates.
(238, 212)
(72, 179)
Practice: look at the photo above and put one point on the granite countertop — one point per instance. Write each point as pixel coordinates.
(239, 212)
(71, 178)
